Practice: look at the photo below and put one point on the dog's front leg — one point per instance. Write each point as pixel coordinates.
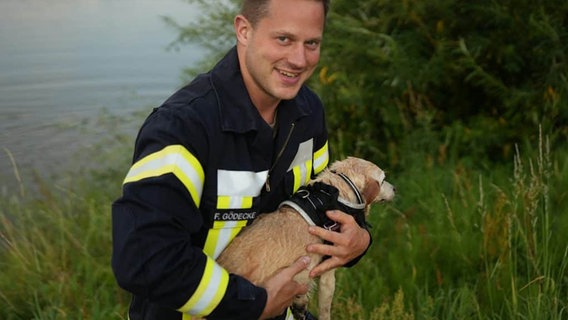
(325, 294)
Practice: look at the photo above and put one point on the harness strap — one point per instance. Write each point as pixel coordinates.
(301, 211)
(360, 199)
(314, 200)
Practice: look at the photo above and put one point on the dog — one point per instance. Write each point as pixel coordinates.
(355, 183)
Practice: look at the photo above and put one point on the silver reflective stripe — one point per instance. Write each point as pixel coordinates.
(224, 237)
(240, 183)
(304, 153)
(173, 159)
(301, 211)
(209, 292)
(235, 202)
(321, 159)
(301, 166)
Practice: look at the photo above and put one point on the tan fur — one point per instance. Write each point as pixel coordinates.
(275, 240)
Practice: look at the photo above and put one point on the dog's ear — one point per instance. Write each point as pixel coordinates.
(371, 190)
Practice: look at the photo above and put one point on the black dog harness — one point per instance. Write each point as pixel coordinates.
(314, 200)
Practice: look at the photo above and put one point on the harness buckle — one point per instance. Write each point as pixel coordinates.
(333, 226)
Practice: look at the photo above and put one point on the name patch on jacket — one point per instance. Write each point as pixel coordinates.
(234, 215)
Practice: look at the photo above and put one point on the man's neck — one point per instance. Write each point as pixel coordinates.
(267, 112)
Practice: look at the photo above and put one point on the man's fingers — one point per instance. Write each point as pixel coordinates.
(298, 266)
(327, 235)
(321, 268)
(345, 245)
(301, 289)
(323, 249)
(338, 216)
(281, 288)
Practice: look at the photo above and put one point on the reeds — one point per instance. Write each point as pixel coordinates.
(458, 243)
(461, 243)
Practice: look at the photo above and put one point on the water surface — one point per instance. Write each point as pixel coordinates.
(63, 61)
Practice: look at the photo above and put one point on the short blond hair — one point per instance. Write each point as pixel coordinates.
(255, 10)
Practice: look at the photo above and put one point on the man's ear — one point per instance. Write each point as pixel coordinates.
(242, 29)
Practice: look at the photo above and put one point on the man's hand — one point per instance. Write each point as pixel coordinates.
(347, 244)
(281, 288)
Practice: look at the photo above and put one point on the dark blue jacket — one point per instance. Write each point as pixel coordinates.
(205, 164)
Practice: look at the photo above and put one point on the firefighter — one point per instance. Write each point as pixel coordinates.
(232, 144)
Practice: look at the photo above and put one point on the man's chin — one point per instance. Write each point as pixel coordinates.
(287, 94)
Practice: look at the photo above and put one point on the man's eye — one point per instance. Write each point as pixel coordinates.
(283, 39)
(313, 44)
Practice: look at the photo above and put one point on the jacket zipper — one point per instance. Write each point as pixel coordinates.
(280, 153)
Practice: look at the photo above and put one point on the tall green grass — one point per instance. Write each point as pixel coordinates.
(466, 243)
(54, 258)
(55, 234)
(459, 242)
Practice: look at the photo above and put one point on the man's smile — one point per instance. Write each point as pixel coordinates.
(288, 74)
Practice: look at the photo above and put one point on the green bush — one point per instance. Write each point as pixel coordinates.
(475, 77)
(464, 243)
(483, 75)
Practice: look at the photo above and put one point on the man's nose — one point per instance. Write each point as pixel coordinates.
(297, 56)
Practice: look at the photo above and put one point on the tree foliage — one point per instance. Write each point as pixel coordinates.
(212, 31)
(479, 75)
(448, 77)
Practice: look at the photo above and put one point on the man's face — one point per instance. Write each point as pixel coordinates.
(283, 49)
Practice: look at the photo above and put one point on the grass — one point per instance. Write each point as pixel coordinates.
(55, 257)
(461, 243)
(458, 243)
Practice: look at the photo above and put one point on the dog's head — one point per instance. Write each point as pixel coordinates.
(367, 177)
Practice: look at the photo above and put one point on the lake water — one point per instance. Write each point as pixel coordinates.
(63, 61)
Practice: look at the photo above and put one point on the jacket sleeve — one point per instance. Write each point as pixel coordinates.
(154, 221)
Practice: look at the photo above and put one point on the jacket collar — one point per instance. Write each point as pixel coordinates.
(237, 112)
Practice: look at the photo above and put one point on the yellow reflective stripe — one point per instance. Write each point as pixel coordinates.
(223, 202)
(321, 159)
(234, 202)
(210, 290)
(225, 224)
(297, 178)
(221, 235)
(211, 243)
(172, 159)
(247, 202)
(236, 190)
(308, 172)
(289, 315)
(302, 174)
(223, 232)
